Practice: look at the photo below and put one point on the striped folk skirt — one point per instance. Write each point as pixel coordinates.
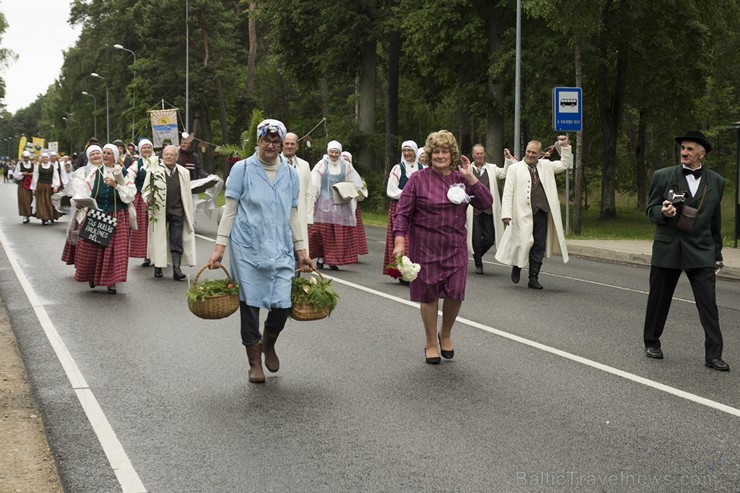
(337, 244)
(360, 233)
(139, 237)
(104, 266)
(390, 239)
(44, 208)
(25, 198)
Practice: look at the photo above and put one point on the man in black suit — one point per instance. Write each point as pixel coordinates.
(685, 245)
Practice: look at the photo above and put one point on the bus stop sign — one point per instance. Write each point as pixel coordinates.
(567, 109)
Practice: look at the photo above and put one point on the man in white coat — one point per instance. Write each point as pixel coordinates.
(167, 192)
(531, 211)
(308, 194)
(484, 227)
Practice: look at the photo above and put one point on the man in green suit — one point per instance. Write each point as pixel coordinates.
(683, 245)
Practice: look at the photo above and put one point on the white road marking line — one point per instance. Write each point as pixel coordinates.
(119, 461)
(564, 354)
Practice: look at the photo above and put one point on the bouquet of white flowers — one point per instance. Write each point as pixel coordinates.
(404, 268)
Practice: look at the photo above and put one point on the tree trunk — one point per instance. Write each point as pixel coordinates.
(224, 120)
(611, 105)
(366, 155)
(640, 170)
(578, 185)
(464, 141)
(495, 117)
(252, 57)
(324, 84)
(391, 112)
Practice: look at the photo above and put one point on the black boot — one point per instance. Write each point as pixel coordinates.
(534, 272)
(177, 274)
(516, 272)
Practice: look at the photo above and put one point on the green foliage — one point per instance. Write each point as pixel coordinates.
(212, 288)
(314, 291)
(248, 139)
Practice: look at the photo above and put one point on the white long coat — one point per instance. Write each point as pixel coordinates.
(516, 204)
(307, 197)
(158, 247)
(495, 173)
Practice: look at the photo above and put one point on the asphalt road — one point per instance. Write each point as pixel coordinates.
(548, 391)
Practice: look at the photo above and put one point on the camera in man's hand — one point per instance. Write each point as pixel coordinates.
(677, 198)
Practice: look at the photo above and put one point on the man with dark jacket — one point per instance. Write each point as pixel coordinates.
(685, 203)
(82, 157)
(190, 160)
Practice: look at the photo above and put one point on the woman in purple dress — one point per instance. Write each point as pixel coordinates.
(431, 212)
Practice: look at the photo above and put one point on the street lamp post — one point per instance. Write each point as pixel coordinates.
(133, 99)
(95, 111)
(107, 108)
(187, 66)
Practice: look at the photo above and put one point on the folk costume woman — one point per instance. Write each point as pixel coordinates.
(332, 238)
(23, 174)
(360, 228)
(397, 179)
(113, 189)
(44, 183)
(139, 236)
(431, 212)
(261, 226)
(76, 185)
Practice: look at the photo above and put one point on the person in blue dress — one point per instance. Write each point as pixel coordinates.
(262, 227)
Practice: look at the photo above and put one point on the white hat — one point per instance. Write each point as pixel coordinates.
(143, 142)
(92, 148)
(26, 154)
(334, 144)
(114, 149)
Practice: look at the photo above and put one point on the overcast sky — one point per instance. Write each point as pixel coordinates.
(38, 33)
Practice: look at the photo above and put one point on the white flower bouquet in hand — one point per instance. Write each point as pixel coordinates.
(404, 268)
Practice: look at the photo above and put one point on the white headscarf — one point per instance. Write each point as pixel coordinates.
(142, 142)
(408, 144)
(347, 156)
(115, 150)
(92, 148)
(334, 144)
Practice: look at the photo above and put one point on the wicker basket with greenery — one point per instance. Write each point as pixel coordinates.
(313, 298)
(213, 299)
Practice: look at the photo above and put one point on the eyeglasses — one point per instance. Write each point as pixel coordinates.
(274, 143)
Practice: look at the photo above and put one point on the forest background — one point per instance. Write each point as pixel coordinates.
(372, 74)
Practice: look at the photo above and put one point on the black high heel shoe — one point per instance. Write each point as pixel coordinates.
(111, 290)
(445, 354)
(431, 361)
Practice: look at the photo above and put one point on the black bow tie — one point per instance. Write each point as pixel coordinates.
(695, 172)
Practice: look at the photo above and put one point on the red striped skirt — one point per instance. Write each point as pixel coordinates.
(138, 244)
(44, 208)
(337, 244)
(360, 233)
(104, 266)
(390, 239)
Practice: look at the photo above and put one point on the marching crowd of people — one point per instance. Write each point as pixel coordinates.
(281, 214)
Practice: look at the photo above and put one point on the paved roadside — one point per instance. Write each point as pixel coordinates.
(639, 252)
(26, 463)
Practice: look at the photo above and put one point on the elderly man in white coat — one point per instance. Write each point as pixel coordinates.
(484, 227)
(531, 211)
(308, 193)
(167, 192)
